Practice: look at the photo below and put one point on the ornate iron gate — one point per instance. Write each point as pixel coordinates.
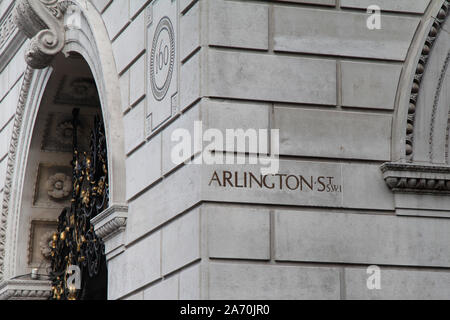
(75, 245)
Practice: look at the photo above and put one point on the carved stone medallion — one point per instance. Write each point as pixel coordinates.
(162, 58)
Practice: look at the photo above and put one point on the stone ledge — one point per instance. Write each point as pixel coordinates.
(111, 221)
(417, 178)
(110, 226)
(25, 290)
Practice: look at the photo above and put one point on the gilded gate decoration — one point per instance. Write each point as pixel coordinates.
(75, 243)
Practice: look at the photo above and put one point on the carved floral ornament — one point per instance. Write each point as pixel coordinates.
(43, 22)
(64, 132)
(45, 245)
(59, 186)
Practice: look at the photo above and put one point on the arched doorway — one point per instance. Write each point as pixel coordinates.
(85, 49)
(66, 185)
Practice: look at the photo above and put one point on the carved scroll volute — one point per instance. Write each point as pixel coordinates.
(43, 22)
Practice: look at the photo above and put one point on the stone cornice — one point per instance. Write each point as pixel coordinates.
(25, 290)
(111, 221)
(417, 178)
(43, 22)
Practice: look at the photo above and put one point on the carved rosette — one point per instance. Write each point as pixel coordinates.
(45, 245)
(64, 132)
(59, 186)
(43, 22)
(413, 178)
(25, 290)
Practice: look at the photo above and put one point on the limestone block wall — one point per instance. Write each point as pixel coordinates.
(162, 256)
(331, 85)
(312, 69)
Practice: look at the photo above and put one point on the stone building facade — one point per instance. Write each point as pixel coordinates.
(363, 120)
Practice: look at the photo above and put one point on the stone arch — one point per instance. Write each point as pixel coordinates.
(45, 22)
(421, 104)
(421, 134)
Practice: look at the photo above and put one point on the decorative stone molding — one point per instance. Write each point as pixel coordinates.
(111, 221)
(58, 133)
(64, 132)
(11, 161)
(7, 29)
(110, 226)
(420, 70)
(43, 22)
(417, 178)
(25, 290)
(39, 242)
(10, 38)
(59, 186)
(437, 95)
